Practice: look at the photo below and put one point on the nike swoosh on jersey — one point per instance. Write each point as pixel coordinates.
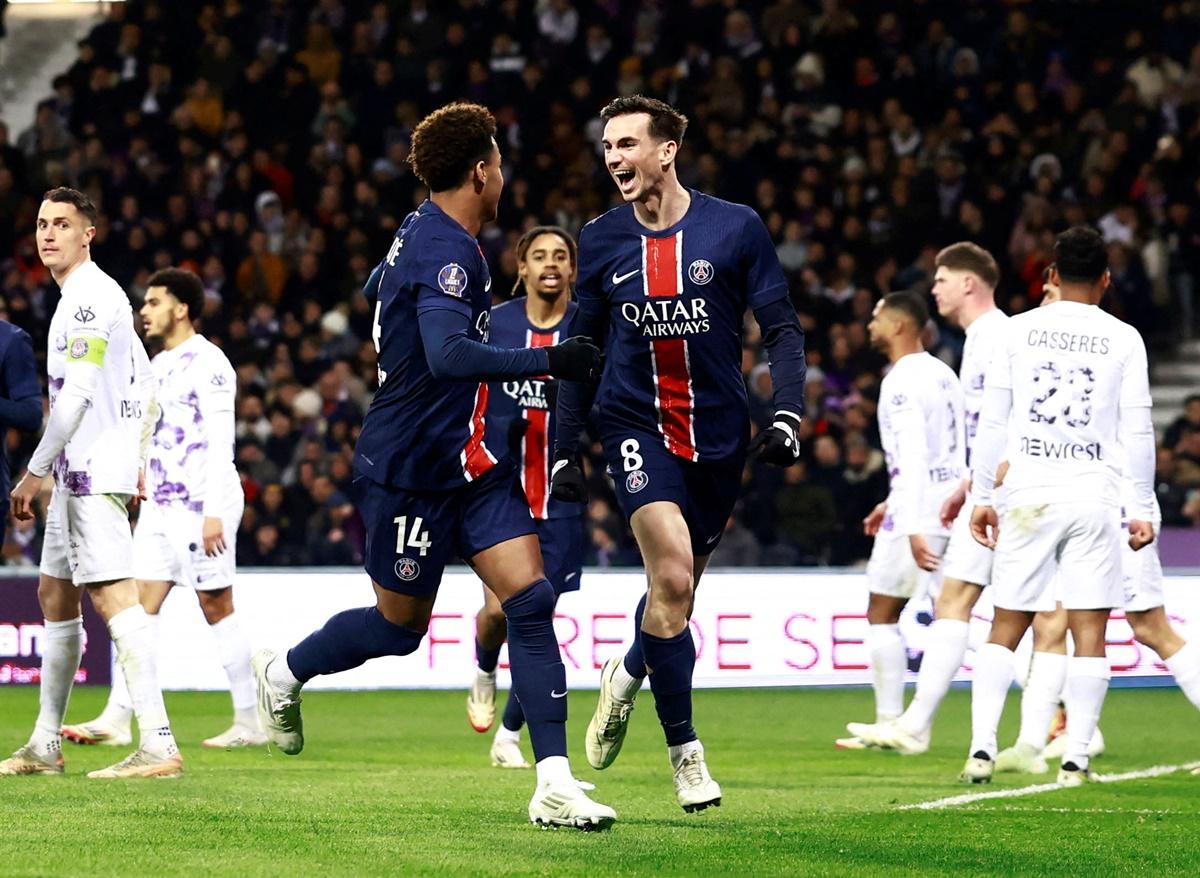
(569, 577)
(618, 279)
(487, 287)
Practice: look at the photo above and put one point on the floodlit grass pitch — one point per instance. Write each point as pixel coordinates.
(396, 783)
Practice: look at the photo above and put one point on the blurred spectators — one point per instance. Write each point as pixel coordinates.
(263, 145)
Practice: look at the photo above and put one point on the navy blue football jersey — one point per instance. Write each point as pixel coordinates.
(527, 398)
(671, 304)
(421, 432)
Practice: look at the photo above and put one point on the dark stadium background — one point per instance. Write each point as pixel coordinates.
(263, 144)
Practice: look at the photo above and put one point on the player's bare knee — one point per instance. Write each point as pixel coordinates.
(671, 584)
(216, 605)
(59, 599)
(491, 626)
(956, 601)
(884, 609)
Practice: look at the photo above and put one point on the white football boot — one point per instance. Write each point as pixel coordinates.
(555, 805)
(278, 709)
(610, 722)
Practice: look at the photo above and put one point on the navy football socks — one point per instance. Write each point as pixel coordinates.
(539, 677)
(635, 659)
(487, 659)
(671, 661)
(514, 716)
(347, 640)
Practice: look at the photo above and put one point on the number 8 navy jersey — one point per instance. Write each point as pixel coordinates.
(675, 301)
(422, 432)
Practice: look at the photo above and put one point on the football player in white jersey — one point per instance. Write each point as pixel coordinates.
(102, 411)
(186, 532)
(1142, 578)
(921, 426)
(964, 287)
(1075, 381)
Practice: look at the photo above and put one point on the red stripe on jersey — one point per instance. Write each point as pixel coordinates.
(535, 447)
(663, 278)
(475, 457)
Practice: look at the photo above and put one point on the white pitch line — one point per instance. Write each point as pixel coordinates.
(1034, 789)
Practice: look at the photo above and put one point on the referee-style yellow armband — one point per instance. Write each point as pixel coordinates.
(87, 349)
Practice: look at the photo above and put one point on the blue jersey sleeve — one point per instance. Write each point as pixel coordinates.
(575, 398)
(452, 354)
(21, 392)
(765, 281)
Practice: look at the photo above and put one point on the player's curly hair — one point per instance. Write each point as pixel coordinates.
(666, 123)
(184, 285)
(1080, 255)
(449, 142)
(526, 242)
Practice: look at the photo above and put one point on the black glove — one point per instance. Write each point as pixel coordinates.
(566, 478)
(779, 443)
(516, 433)
(576, 359)
(550, 391)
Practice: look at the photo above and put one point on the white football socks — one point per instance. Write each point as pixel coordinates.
(625, 686)
(1087, 684)
(118, 711)
(1185, 665)
(131, 634)
(989, 689)
(1043, 690)
(555, 770)
(889, 660)
(234, 651)
(62, 647)
(943, 657)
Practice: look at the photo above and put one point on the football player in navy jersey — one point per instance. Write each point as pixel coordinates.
(520, 415)
(664, 282)
(428, 484)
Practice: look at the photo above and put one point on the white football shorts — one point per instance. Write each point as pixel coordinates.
(88, 538)
(1076, 543)
(1142, 576)
(966, 558)
(168, 546)
(892, 571)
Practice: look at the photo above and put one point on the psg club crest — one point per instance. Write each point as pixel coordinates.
(453, 280)
(407, 569)
(701, 272)
(635, 481)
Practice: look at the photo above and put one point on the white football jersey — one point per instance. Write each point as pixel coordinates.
(1071, 369)
(196, 387)
(94, 323)
(983, 338)
(921, 426)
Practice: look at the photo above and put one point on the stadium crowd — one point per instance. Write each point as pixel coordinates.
(263, 146)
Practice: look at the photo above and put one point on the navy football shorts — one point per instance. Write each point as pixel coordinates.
(563, 545)
(644, 471)
(413, 535)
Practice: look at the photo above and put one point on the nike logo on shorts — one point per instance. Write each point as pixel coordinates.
(554, 694)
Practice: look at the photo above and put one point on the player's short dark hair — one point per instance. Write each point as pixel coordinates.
(449, 142)
(969, 256)
(527, 239)
(666, 123)
(910, 305)
(1081, 255)
(184, 285)
(67, 195)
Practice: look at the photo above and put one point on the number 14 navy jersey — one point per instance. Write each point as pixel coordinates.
(422, 432)
(672, 303)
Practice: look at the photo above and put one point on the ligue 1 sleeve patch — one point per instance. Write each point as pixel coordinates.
(79, 349)
(453, 280)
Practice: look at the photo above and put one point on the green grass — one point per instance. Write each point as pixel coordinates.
(395, 783)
